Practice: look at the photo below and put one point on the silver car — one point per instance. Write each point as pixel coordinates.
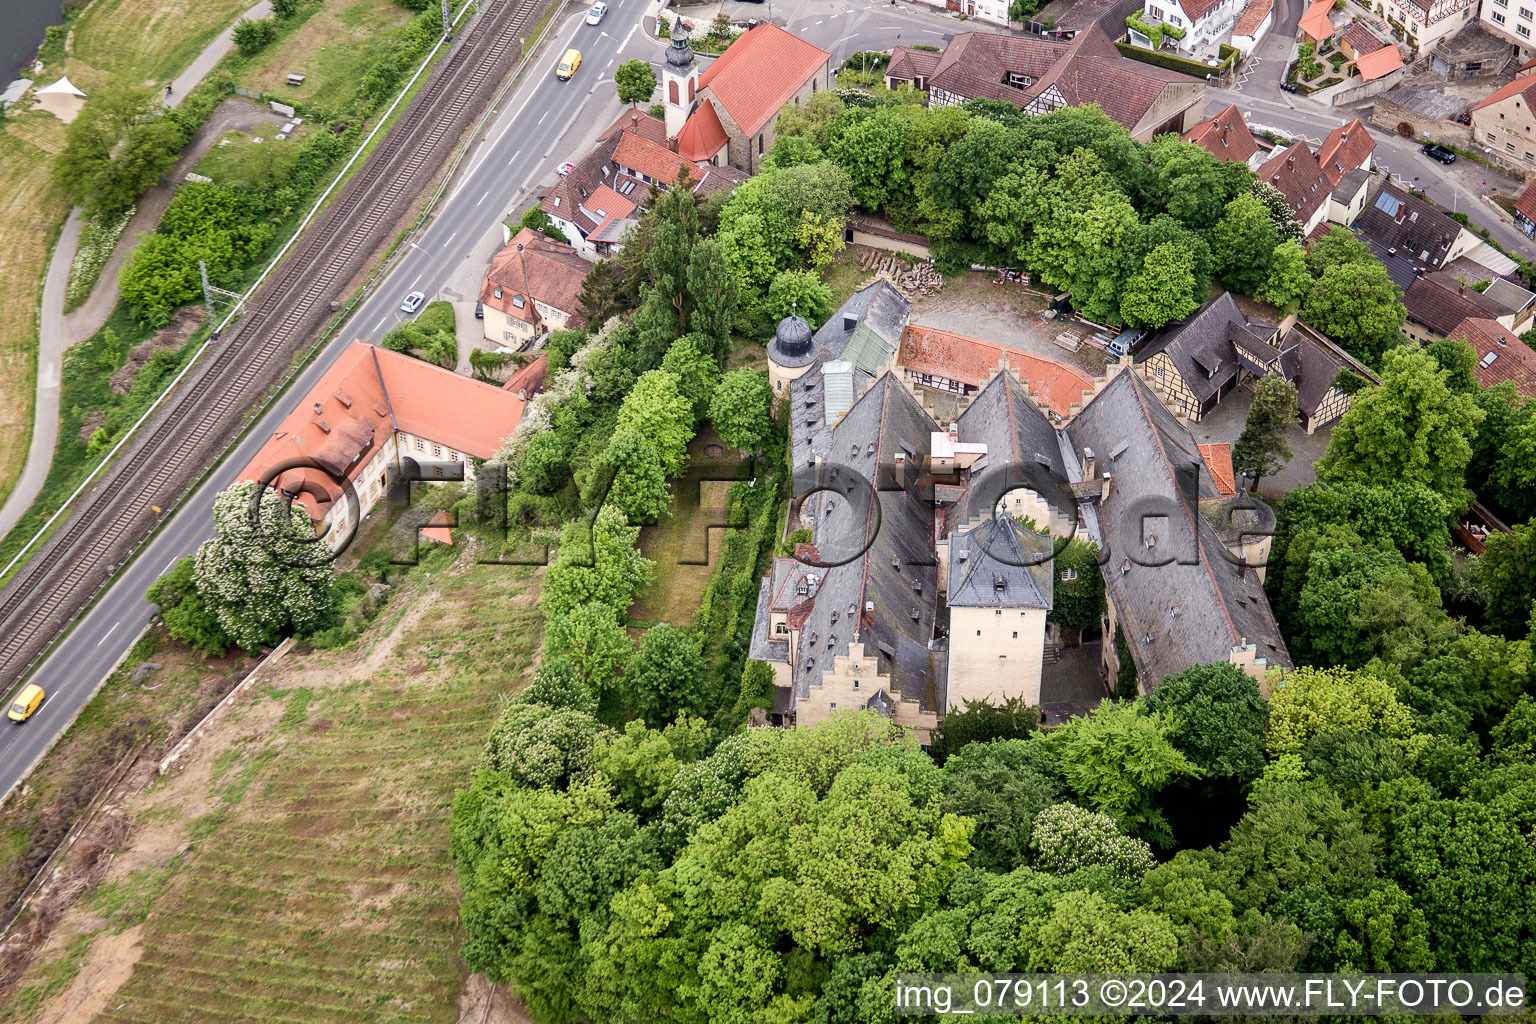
(597, 13)
(413, 302)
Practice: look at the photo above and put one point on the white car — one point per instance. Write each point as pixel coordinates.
(566, 168)
(597, 13)
(413, 302)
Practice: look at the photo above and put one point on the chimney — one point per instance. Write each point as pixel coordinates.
(1109, 478)
(1461, 288)
(1090, 464)
(634, 120)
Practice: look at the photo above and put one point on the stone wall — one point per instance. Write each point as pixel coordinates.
(1393, 116)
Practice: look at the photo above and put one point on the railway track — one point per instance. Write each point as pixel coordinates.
(115, 515)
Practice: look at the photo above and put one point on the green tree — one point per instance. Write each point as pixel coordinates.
(545, 465)
(800, 292)
(1078, 602)
(635, 81)
(263, 575)
(285, 9)
(1288, 282)
(1358, 306)
(1359, 600)
(1506, 572)
(1295, 837)
(691, 361)
(1118, 758)
(981, 722)
(1068, 838)
(874, 152)
(657, 409)
(1262, 447)
(1411, 428)
(1001, 785)
(253, 36)
(536, 219)
(1244, 243)
(183, 610)
(1192, 185)
(666, 678)
(1161, 291)
(543, 747)
(597, 563)
(739, 409)
(714, 291)
(1312, 701)
(602, 293)
(1218, 719)
(589, 639)
(1338, 247)
(119, 145)
(639, 487)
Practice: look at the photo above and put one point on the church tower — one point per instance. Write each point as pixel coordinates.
(679, 79)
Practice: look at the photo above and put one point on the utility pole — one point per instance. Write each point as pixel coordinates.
(447, 24)
(209, 291)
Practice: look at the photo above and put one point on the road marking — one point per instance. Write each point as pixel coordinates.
(168, 566)
(542, 117)
(610, 62)
(630, 36)
(103, 640)
(414, 283)
(450, 239)
(483, 198)
(380, 327)
(514, 158)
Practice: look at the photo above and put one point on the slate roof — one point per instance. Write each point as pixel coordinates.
(870, 598)
(1204, 347)
(974, 361)
(1407, 234)
(1225, 136)
(1299, 177)
(1000, 564)
(1023, 450)
(1440, 302)
(1508, 294)
(1344, 151)
(1173, 615)
(759, 72)
(1501, 355)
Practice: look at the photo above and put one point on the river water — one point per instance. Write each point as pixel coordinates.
(25, 22)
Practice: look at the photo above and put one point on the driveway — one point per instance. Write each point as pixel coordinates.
(1225, 423)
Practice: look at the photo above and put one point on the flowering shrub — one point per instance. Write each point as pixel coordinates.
(98, 238)
(1067, 837)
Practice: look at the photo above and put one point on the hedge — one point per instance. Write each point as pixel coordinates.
(1167, 60)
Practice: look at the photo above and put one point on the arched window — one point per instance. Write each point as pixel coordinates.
(672, 91)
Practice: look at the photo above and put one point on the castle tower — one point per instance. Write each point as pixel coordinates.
(679, 79)
(790, 353)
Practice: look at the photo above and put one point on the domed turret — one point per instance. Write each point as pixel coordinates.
(679, 54)
(791, 342)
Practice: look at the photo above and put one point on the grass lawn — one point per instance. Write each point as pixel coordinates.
(333, 49)
(682, 541)
(320, 887)
(144, 42)
(32, 209)
(844, 275)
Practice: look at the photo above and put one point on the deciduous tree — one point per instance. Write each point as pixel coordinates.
(635, 81)
(666, 678)
(1288, 282)
(1263, 447)
(1244, 243)
(739, 409)
(1162, 291)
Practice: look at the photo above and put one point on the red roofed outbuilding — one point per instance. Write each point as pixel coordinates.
(1226, 137)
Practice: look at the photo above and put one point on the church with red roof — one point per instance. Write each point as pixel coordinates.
(722, 113)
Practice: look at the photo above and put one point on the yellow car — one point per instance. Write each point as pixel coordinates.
(568, 65)
(27, 701)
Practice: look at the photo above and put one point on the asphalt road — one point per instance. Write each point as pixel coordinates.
(541, 123)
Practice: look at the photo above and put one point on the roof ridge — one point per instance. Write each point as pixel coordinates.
(1190, 514)
(885, 399)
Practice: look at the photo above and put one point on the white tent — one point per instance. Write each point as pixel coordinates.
(61, 99)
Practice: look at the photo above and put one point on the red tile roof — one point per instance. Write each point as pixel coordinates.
(1526, 204)
(648, 158)
(975, 362)
(1295, 172)
(530, 377)
(1225, 136)
(1374, 65)
(549, 271)
(1525, 85)
(1512, 359)
(1197, 8)
(703, 135)
(1218, 459)
(1345, 148)
(365, 396)
(1362, 39)
(759, 72)
(1252, 17)
(908, 64)
(1315, 23)
(638, 122)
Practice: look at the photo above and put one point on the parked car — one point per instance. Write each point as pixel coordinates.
(27, 702)
(568, 64)
(413, 302)
(597, 13)
(565, 168)
(1439, 153)
(479, 311)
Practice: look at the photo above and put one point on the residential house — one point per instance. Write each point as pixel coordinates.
(1347, 148)
(1227, 137)
(1511, 22)
(1525, 210)
(993, 11)
(1065, 19)
(1195, 363)
(1501, 356)
(1409, 235)
(941, 595)
(1369, 56)
(531, 289)
(1358, 40)
(723, 114)
(1423, 23)
(373, 419)
(1039, 75)
(1295, 171)
(1439, 303)
(1504, 124)
(1201, 25)
(1253, 25)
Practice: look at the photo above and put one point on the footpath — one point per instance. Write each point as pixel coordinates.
(58, 331)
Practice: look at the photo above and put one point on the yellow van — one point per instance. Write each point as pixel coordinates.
(27, 701)
(568, 64)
